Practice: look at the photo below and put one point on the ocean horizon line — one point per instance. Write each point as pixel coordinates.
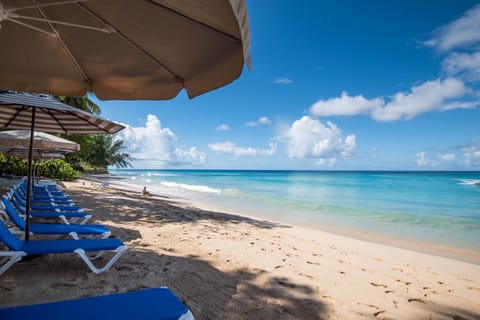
(300, 170)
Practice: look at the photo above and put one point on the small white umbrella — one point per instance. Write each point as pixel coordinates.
(17, 140)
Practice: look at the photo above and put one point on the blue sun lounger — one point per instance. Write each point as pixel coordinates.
(53, 229)
(147, 304)
(20, 249)
(45, 206)
(44, 197)
(66, 217)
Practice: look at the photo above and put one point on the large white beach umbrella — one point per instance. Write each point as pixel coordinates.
(122, 49)
(43, 113)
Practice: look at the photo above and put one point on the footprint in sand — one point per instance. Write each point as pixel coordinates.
(379, 314)
(123, 268)
(306, 275)
(416, 300)
(378, 285)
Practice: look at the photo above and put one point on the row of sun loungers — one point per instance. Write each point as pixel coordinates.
(59, 213)
(46, 205)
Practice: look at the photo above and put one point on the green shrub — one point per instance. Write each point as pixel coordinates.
(56, 169)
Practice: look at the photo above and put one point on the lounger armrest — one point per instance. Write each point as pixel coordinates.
(119, 251)
(12, 257)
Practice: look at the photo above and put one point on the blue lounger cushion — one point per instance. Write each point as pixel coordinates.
(147, 304)
(66, 217)
(39, 247)
(45, 207)
(43, 197)
(53, 229)
(19, 249)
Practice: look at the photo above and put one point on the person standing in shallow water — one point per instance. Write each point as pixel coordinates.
(145, 192)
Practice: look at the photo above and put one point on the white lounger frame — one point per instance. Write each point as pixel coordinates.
(10, 257)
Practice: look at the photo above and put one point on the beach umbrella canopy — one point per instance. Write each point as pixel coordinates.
(37, 154)
(14, 141)
(22, 110)
(122, 49)
(43, 113)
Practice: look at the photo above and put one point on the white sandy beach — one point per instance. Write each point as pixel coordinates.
(226, 266)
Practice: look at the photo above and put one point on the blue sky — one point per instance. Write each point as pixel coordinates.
(334, 85)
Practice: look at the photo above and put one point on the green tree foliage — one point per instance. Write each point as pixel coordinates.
(105, 151)
(96, 151)
(82, 103)
(79, 159)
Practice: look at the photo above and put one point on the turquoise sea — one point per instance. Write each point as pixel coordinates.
(435, 210)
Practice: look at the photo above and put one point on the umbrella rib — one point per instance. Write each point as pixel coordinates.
(220, 32)
(38, 5)
(131, 42)
(52, 115)
(14, 116)
(69, 53)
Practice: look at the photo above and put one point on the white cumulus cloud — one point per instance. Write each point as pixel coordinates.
(345, 105)
(282, 81)
(447, 157)
(156, 145)
(223, 127)
(429, 96)
(230, 148)
(422, 159)
(192, 156)
(472, 154)
(463, 64)
(462, 32)
(261, 121)
(436, 95)
(310, 138)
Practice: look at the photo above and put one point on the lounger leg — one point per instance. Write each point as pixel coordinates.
(11, 257)
(74, 235)
(119, 251)
(187, 316)
(86, 218)
(64, 219)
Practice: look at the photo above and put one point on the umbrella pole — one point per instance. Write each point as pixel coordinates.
(29, 177)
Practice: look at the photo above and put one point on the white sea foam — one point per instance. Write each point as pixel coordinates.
(198, 188)
(470, 181)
